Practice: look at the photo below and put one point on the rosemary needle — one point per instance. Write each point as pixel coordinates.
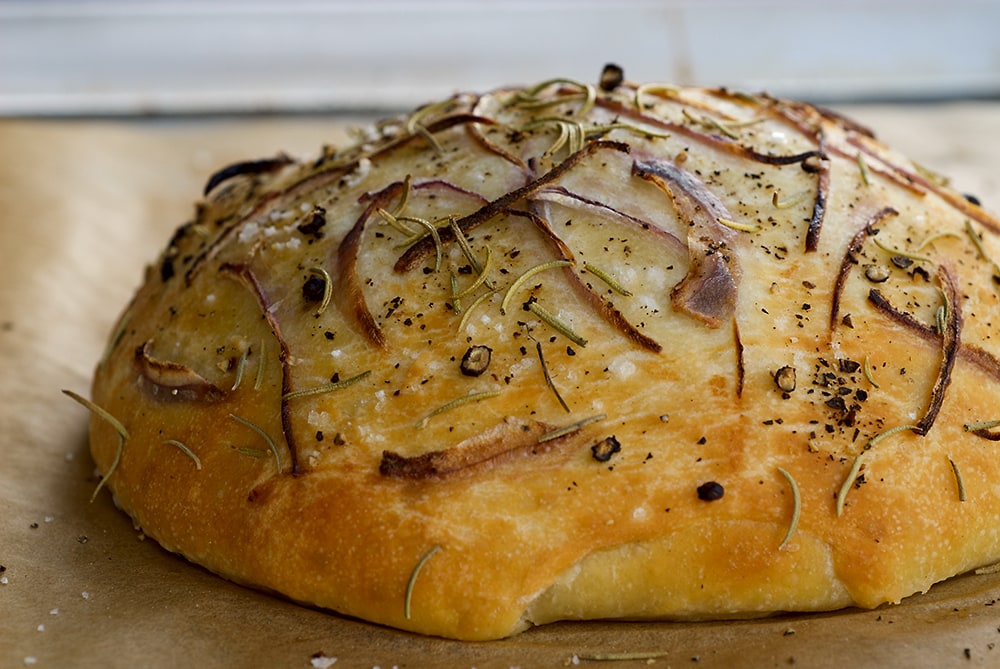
(868, 372)
(468, 311)
(240, 367)
(897, 252)
(555, 323)
(796, 507)
(259, 430)
(568, 429)
(454, 404)
(187, 451)
(848, 482)
(958, 479)
(326, 388)
(116, 424)
(548, 377)
(100, 411)
(981, 425)
(480, 280)
(327, 288)
(863, 168)
(521, 280)
(612, 282)
(413, 578)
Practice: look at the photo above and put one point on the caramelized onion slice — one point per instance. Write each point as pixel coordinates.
(170, 380)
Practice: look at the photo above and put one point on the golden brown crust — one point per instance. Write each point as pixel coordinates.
(740, 360)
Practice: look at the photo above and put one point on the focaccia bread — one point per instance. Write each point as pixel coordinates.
(569, 351)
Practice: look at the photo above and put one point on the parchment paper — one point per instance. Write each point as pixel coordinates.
(84, 205)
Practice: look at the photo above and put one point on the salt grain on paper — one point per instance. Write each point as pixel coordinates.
(322, 661)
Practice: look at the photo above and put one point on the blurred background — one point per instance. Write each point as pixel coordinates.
(118, 57)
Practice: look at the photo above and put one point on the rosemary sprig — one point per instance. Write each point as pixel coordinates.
(187, 451)
(888, 433)
(958, 479)
(867, 368)
(572, 427)
(480, 280)
(933, 238)
(531, 98)
(259, 430)
(728, 129)
(413, 578)
(548, 377)
(404, 199)
(327, 387)
(897, 252)
(463, 244)
(526, 276)
(796, 507)
(977, 241)
(240, 366)
(789, 203)
(116, 424)
(666, 89)
(863, 168)
(456, 301)
(482, 269)
(468, 312)
(941, 318)
(431, 229)
(393, 220)
(739, 227)
(570, 133)
(612, 283)
(981, 425)
(856, 466)
(554, 322)
(100, 411)
(455, 403)
(327, 288)
(603, 129)
(848, 483)
(252, 452)
(414, 125)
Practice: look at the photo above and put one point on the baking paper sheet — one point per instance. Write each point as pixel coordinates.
(84, 205)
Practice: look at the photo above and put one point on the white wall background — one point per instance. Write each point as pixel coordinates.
(224, 56)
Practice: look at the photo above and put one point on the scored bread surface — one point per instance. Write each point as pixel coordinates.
(569, 352)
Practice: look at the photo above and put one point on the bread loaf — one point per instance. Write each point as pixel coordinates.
(569, 351)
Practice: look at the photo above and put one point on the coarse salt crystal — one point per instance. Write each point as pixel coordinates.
(322, 661)
(248, 232)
